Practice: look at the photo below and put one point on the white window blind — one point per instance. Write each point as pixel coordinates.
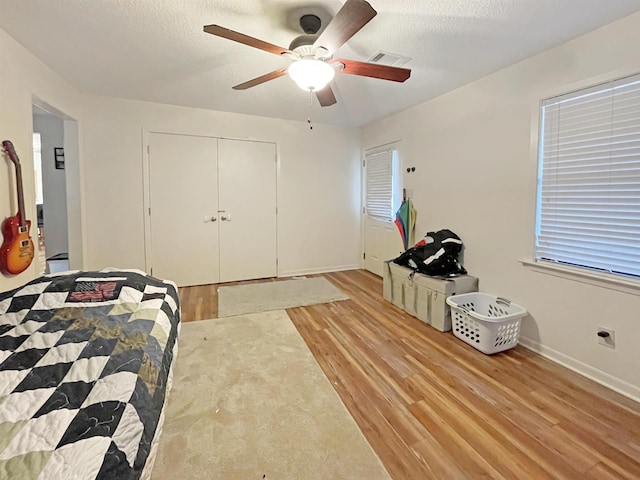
(379, 199)
(588, 212)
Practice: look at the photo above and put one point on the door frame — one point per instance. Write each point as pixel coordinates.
(76, 235)
(146, 187)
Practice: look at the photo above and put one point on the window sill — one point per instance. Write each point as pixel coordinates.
(612, 282)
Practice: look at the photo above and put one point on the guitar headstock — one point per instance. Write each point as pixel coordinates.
(10, 151)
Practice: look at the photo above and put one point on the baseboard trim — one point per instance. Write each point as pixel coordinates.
(314, 271)
(598, 376)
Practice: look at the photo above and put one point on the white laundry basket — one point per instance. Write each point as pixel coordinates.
(490, 324)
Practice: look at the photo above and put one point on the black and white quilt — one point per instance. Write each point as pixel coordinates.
(84, 362)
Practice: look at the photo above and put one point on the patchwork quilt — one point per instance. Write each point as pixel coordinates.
(84, 362)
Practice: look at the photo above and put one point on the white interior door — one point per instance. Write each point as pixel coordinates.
(247, 209)
(183, 191)
(382, 240)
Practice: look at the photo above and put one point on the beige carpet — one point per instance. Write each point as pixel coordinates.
(250, 402)
(261, 297)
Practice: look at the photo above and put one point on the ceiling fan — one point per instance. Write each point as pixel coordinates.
(313, 64)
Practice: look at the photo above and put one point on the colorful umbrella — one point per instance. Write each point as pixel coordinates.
(406, 221)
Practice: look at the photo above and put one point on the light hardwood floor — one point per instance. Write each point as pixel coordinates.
(433, 407)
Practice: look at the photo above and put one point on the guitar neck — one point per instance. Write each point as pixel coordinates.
(22, 216)
(13, 156)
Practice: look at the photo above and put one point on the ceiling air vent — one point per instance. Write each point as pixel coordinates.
(388, 58)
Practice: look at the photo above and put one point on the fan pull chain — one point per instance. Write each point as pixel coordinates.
(310, 106)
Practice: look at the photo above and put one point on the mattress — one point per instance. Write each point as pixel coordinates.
(85, 362)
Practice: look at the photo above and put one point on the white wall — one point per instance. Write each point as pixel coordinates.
(22, 77)
(318, 183)
(73, 174)
(54, 185)
(475, 159)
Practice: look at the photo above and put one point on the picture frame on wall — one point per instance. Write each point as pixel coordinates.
(58, 154)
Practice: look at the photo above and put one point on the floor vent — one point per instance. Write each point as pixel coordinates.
(388, 58)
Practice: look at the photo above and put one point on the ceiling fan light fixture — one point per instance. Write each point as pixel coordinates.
(311, 74)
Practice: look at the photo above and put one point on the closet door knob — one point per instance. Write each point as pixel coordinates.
(213, 219)
(223, 218)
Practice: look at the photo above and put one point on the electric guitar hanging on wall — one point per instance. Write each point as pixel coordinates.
(16, 253)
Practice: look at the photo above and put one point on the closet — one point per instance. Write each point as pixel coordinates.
(211, 209)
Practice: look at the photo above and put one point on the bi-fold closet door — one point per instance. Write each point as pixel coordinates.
(212, 215)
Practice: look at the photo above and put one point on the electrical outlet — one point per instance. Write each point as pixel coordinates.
(607, 337)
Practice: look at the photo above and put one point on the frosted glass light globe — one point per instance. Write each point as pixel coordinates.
(311, 74)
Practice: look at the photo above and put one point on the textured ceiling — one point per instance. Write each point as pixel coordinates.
(155, 50)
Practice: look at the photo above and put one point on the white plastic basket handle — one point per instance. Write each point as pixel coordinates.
(469, 312)
(504, 301)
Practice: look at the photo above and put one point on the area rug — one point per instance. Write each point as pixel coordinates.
(262, 297)
(249, 401)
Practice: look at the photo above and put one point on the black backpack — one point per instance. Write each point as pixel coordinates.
(436, 254)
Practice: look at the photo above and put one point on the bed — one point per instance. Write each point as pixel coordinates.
(85, 368)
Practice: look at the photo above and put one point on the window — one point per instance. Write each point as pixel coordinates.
(588, 199)
(382, 188)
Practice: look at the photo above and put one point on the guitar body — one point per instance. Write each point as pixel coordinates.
(17, 251)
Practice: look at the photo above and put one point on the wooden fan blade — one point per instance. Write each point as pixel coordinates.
(246, 39)
(264, 78)
(353, 15)
(374, 70)
(326, 96)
